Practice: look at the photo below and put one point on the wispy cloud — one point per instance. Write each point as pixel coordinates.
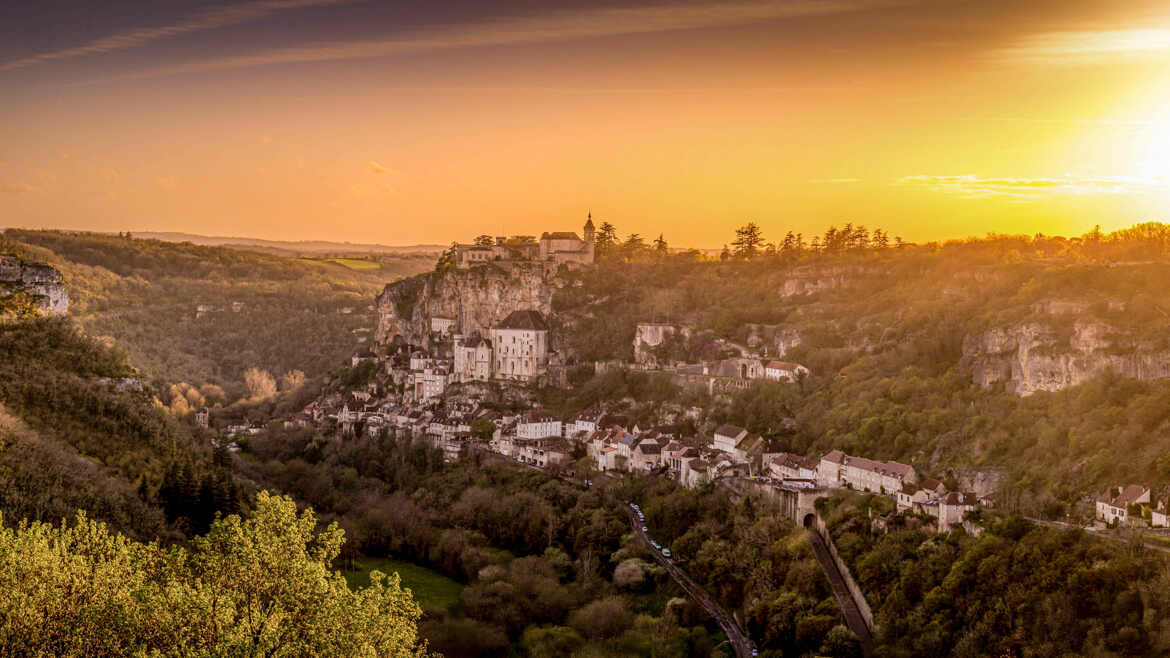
(208, 19)
(1078, 47)
(972, 186)
(20, 187)
(545, 28)
(378, 169)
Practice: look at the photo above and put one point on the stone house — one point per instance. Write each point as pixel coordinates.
(538, 425)
(952, 506)
(784, 371)
(203, 417)
(749, 449)
(727, 437)
(787, 466)
(646, 456)
(1160, 514)
(1113, 504)
(473, 358)
(837, 469)
(520, 345)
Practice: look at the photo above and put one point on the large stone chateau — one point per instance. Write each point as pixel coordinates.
(556, 248)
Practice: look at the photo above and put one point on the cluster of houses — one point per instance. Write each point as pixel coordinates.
(516, 350)
(1131, 506)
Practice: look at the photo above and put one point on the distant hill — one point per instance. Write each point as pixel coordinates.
(310, 247)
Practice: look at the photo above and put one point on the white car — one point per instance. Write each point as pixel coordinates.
(666, 552)
(643, 528)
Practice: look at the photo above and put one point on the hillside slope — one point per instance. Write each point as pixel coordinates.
(205, 315)
(78, 430)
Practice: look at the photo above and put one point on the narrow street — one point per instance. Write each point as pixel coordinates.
(1096, 533)
(736, 636)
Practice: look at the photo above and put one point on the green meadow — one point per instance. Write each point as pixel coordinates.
(431, 589)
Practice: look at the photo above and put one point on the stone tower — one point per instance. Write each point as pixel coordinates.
(588, 236)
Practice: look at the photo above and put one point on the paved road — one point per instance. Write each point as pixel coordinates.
(849, 609)
(1096, 533)
(740, 642)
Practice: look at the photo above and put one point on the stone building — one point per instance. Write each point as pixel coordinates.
(556, 248)
(520, 346)
(473, 359)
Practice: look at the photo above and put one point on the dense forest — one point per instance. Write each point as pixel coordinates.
(1017, 589)
(550, 566)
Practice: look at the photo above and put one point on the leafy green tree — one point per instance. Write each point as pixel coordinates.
(484, 240)
(261, 585)
(483, 429)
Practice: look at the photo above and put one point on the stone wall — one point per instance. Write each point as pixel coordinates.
(854, 590)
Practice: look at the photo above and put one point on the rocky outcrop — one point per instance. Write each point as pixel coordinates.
(649, 335)
(809, 279)
(1036, 356)
(41, 282)
(476, 298)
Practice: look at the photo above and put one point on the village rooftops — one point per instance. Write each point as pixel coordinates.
(895, 469)
(835, 457)
(781, 365)
(751, 443)
(524, 320)
(1121, 497)
(960, 498)
(559, 235)
(729, 430)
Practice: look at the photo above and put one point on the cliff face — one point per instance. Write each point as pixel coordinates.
(475, 298)
(810, 279)
(1030, 357)
(41, 281)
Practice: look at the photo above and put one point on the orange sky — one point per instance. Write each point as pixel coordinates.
(328, 119)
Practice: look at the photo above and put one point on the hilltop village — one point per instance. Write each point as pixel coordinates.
(460, 354)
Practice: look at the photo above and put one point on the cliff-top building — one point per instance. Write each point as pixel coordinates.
(518, 350)
(556, 248)
(520, 344)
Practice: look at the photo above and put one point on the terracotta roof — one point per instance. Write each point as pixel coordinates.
(1122, 497)
(834, 457)
(781, 365)
(560, 235)
(961, 498)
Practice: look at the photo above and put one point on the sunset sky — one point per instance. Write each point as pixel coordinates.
(427, 122)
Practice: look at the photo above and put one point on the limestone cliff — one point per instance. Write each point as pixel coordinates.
(806, 280)
(41, 283)
(1036, 356)
(474, 298)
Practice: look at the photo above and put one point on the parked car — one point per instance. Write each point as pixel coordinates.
(643, 528)
(666, 552)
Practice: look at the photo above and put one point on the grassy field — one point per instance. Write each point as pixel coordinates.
(431, 589)
(354, 263)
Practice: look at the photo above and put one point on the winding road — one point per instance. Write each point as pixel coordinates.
(739, 640)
